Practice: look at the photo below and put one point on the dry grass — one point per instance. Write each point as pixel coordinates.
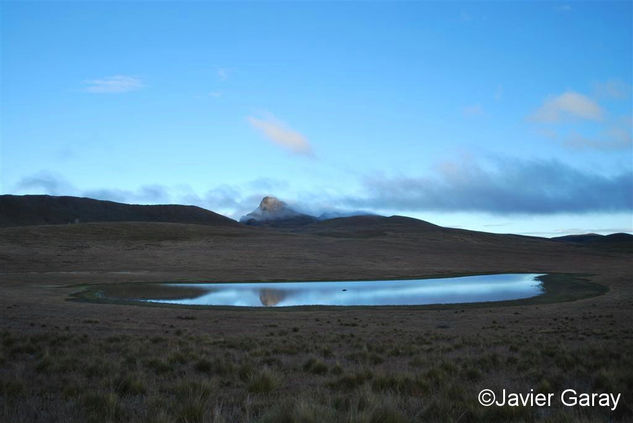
(65, 361)
(63, 376)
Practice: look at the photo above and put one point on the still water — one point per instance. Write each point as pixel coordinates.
(466, 289)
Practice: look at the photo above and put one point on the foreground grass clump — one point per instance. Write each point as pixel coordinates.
(102, 407)
(263, 381)
(130, 384)
(428, 376)
(316, 366)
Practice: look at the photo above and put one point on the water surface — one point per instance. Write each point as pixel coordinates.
(466, 289)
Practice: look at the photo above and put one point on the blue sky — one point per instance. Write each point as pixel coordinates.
(504, 117)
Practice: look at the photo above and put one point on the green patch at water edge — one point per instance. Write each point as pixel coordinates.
(557, 287)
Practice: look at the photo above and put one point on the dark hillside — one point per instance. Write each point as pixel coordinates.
(22, 210)
(621, 242)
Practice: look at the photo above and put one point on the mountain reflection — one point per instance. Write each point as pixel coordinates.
(271, 297)
(465, 289)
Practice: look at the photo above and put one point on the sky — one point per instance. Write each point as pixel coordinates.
(509, 117)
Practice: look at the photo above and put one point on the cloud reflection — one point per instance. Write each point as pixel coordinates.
(394, 292)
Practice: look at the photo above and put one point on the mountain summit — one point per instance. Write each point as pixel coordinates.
(274, 212)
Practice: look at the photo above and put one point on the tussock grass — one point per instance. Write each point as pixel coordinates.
(315, 366)
(263, 381)
(434, 377)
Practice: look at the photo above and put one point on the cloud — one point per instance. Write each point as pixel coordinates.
(267, 184)
(234, 200)
(222, 197)
(282, 135)
(230, 200)
(49, 183)
(568, 105)
(146, 194)
(113, 84)
(501, 187)
(616, 138)
(610, 134)
(613, 88)
(474, 110)
(44, 183)
(612, 137)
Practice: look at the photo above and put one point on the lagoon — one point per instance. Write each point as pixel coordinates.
(464, 289)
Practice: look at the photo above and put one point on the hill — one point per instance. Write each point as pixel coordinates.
(614, 242)
(22, 210)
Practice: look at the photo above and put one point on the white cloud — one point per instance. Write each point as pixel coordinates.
(282, 135)
(113, 84)
(569, 104)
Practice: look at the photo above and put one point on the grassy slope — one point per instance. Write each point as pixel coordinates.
(72, 361)
(19, 210)
(395, 249)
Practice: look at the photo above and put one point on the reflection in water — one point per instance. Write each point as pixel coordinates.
(466, 289)
(271, 297)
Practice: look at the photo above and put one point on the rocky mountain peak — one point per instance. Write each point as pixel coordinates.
(274, 212)
(272, 204)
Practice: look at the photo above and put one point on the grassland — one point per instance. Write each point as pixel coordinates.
(64, 360)
(556, 288)
(298, 374)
